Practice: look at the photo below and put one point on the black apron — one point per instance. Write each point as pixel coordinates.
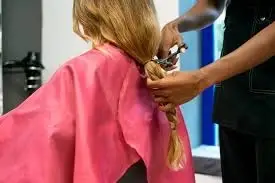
(246, 102)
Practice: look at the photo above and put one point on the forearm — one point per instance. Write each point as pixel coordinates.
(254, 52)
(202, 14)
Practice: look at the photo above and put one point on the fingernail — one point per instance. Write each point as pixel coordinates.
(143, 76)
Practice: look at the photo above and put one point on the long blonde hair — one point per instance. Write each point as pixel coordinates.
(132, 26)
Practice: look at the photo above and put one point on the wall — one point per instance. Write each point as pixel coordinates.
(59, 43)
(190, 61)
(167, 10)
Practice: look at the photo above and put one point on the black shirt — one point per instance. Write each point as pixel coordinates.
(246, 102)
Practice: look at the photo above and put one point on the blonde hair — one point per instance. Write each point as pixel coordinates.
(132, 26)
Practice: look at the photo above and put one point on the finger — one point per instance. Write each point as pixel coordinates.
(163, 83)
(171, 68)
(166, 108)
(160, 100)
(163, 52)
(143, 76)
(179, 40)
(159, 93)
(155, 84)
(173, 74)
(175, 61)
(173, 65)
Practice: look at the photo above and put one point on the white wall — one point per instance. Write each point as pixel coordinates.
(59, 43)
(167, 10)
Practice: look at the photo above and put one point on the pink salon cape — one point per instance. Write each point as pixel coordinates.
(89, 124)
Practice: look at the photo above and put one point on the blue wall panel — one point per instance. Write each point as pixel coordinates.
(207, 56)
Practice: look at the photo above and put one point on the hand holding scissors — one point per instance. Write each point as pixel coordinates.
(168, 61)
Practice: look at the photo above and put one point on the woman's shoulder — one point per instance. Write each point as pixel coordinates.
(105, 60)
(104, 68)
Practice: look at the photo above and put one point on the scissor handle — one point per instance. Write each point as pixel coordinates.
(183, 46)
(166, 61)
(180, 50)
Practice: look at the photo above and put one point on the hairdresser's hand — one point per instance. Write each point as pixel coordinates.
(170, 36)
(177, 88)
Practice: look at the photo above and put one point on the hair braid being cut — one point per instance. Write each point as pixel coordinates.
(175, 155)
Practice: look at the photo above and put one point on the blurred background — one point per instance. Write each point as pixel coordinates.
(37, 37)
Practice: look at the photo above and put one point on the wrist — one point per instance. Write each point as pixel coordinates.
(205, 80)
(219, 70)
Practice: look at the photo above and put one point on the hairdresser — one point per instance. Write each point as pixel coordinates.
(244, 77)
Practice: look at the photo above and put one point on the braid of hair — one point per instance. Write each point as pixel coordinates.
(175, 155)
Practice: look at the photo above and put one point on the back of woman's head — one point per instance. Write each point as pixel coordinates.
(132, 26)
(129, 24)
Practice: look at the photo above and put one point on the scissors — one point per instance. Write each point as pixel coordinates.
(168, 62)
